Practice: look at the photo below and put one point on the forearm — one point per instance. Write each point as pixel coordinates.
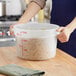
(72, 25)
(31, 11)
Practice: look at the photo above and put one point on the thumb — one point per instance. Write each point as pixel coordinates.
(60, 29)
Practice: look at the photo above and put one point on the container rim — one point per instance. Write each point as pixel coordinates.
(18, 26)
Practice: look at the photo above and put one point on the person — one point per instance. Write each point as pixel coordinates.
(63, 14)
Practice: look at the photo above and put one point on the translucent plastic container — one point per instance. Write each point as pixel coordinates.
(36, 41)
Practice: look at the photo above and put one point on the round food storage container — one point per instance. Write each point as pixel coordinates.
(36, 41)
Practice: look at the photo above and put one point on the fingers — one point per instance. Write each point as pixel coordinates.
(11, 30)
(60, 29)
(64, 34)
(62, 37)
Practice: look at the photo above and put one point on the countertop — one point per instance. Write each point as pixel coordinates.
(62, 65)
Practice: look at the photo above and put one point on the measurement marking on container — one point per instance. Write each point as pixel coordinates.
(25, 50)
(24, 40)
(23, 32)
(21, 45)
(22, 48)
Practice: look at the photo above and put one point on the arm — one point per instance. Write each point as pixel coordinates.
(65, 32)
(72, 25)
(33, 8)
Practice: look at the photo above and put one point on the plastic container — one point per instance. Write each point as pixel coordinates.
(36, 41)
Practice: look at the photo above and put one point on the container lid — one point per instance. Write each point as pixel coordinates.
(36, 26)
(35, 30)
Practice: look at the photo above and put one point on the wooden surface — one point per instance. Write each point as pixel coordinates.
(61, 65)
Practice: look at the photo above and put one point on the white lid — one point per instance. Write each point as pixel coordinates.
(35, 30)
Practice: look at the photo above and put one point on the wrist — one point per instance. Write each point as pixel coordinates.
(70, 27)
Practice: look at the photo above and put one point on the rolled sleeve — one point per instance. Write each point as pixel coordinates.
(41, 3)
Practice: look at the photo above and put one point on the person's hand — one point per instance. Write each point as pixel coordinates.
(11, 29)
(64, 35)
